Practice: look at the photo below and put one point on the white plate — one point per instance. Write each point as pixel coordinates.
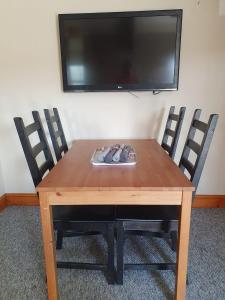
(96, 162)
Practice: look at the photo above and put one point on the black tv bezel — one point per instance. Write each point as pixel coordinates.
(121, 87)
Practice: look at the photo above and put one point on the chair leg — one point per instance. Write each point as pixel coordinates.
(59, 240)
(187, 279)
(173, 236)
(110, 242)
(120, 252)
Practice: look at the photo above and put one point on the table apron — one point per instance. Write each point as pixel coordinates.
(113, 198)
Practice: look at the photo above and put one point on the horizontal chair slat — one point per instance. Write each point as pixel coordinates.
(173, 117)
(86, 266)
(61, 148)
(166, 147)
(188, 165)
(32, 128)
(194, 146)
(44, 167)
(170, 132)
(200, 125)
(151, 266)
(38, 148)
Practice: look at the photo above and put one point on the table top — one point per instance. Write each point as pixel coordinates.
(154, 171)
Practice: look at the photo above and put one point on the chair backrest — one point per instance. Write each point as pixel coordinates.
(170, 136)
(31, 152)
(56, 133)
(200, 149)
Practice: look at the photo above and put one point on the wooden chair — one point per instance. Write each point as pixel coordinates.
(56, 132)
(78, 220)
(171, 136)
(162, 221)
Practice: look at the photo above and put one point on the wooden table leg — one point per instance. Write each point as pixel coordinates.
(183, 242)
(49, 246)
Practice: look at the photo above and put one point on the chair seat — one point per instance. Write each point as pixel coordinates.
(79, 213)
(160, 213)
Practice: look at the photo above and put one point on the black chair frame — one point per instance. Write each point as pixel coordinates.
(62, 223)
(56, 133)
(164, 224)
(30, 152)
(105, 228)
(171, 146)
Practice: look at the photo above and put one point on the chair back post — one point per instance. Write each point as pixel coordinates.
(190, 136)
(201, 150)
(213, 119)
(56, 134)
(27, 149)
(43, 139)
(37, 172)
(177, 132)
(63, 139)
(174, 134)
(168, 125)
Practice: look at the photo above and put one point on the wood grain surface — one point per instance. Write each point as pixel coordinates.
(155, 179)
(154, 170)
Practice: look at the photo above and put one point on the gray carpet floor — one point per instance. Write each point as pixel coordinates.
(22, 273)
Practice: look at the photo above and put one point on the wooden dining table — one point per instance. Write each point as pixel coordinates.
(154, 180)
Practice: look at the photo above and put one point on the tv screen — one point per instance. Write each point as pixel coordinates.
(120, 51)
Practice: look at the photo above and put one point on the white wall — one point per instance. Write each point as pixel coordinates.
(30, 79)
(222, 7)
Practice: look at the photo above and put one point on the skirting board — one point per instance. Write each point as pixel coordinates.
(201, 201)
(22, 199)
(209, 201)
(3, 202)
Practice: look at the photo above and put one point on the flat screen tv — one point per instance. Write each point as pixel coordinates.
(120, 51)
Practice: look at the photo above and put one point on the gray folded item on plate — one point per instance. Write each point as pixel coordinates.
(116, 156)
(109, 156)
(124, 156)
(103, 153)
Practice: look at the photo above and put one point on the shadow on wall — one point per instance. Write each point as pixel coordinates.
(157, 121)
(124, 117)
(77, 127)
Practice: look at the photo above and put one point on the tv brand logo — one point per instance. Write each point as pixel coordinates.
(119, 87)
